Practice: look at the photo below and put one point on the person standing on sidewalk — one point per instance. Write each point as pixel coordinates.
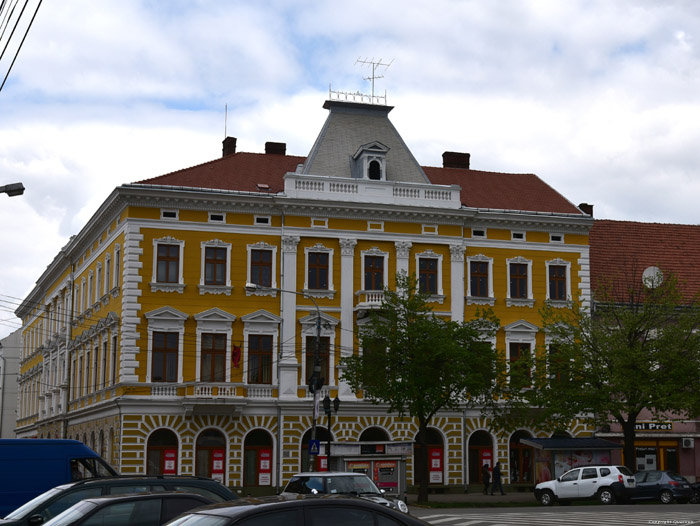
(497, 479)
(486, 476)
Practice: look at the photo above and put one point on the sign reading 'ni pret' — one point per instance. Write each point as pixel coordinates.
(654, 426)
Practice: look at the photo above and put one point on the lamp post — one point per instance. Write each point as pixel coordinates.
(316, 380)
(12, 189)
(327, 409)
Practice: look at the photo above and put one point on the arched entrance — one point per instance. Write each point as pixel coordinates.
(480, 453)
(435, 457)
(161, 453)
(257, 459)
(322, 436)
(211, 455)
(522, 459)
(374, 434)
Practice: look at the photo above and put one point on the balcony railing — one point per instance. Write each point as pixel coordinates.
(369, 299)
(378, 192)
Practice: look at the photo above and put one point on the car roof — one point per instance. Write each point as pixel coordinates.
(330, 474)
(244, 505)
(147, 495)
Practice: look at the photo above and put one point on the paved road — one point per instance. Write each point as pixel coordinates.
(673, 515)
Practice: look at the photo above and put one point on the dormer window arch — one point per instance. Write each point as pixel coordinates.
(369, 162)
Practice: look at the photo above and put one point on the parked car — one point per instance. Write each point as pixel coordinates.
(340, 483)
(335, 510)
(605, 483)
(665, 486)
(136, 509)
(56, 500)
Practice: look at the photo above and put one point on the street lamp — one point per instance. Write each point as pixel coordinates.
(327, 409)
(12, 189)
(316, 380)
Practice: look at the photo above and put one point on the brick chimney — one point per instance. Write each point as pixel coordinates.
(276, 148)
(586, 209)
(229, 146)
(455, 160)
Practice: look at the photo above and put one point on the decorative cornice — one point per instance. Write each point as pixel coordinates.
(403, 249)
(289, 243)
(347, 246)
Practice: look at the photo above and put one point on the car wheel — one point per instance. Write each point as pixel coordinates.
(695, 498)
(606, 496)
(547, 498)
(666, 497)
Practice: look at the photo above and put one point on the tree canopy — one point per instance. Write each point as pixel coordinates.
(632, 351)
(419, 363)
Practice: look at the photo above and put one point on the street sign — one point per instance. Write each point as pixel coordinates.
(314, 447)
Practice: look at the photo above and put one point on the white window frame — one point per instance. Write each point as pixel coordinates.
(166, 319)
(374, 251)
(168, 287)
(559, 263)
(308, 328)
(164, 211)
(116, 279)
(552, 235)
(319, 293)
(519, 302)
(518, 235)
(262, 220)
(429, 230)
(261, 323)
(108, 274)
(222, 220)
(439, 297)
(214, 321)
(215, 289)
(261, 245)
(375, 226)
(478, 300)
(319, 222)
(521, 331)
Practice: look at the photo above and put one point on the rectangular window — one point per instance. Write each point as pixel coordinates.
(374, 273)
(428, 275)
(168, 264)
(520, 376)
(518, 280)
(323, 355)
(557, 282)
(164, 364)
(215, 266)
(213, 357)
(479, 279)
(114, 360)
(261, 267)
(558, 367)
(259, 359)
(318, 270)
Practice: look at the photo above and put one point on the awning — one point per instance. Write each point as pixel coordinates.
(570, 444)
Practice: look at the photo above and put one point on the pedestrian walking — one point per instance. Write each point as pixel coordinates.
(497, 479)
(486, 476)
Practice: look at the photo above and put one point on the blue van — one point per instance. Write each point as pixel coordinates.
(29, 467)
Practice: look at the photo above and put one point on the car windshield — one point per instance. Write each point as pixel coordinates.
(199, 519)
(351, 484)
(624, 470)
(72, 514)
(676, 477)
(30, 506)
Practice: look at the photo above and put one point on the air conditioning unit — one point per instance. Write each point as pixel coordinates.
(687, 442)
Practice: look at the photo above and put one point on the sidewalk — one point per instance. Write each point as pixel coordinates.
(476, 499)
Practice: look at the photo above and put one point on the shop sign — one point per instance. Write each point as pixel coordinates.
(654, 426)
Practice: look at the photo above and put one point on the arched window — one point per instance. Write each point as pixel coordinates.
(322, 436)
(161, 453)
(375, 171)
(521, 459)
(257, 459)
(374, 434)
(480, 453)
(211, 455)
(435, 457)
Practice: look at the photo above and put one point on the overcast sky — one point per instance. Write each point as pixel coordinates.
(601, 99)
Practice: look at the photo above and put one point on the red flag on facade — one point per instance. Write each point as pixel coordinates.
(236, 356)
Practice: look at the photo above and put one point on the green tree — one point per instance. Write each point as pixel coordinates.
(419, 363)
(637, 348)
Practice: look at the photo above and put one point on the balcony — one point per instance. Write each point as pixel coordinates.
(369, 299)
(375, 192)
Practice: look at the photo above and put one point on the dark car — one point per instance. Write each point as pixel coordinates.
(58, 499)
(665, 486)
(138, 509)
(340, 483)
(324, 510)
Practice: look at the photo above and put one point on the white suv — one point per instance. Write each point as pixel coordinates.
(606, 483)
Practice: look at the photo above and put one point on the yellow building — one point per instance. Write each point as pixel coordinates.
(142, 340)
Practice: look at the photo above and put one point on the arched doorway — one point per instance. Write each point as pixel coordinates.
(322, 435)
(374, 434)
(257, 459)
(521, 459)
(435, 457)
(210, 456)
(480, 453)
(161, 453)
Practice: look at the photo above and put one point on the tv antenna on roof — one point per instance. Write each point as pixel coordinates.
(374, 65)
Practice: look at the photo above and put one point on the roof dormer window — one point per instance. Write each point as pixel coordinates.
(369, 162)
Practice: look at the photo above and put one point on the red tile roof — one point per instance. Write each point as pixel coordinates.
(244, 171)
(525, 192)
(622, 250)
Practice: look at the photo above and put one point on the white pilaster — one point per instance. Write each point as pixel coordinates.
(288, 365)
(347, 304)
(457, 284)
